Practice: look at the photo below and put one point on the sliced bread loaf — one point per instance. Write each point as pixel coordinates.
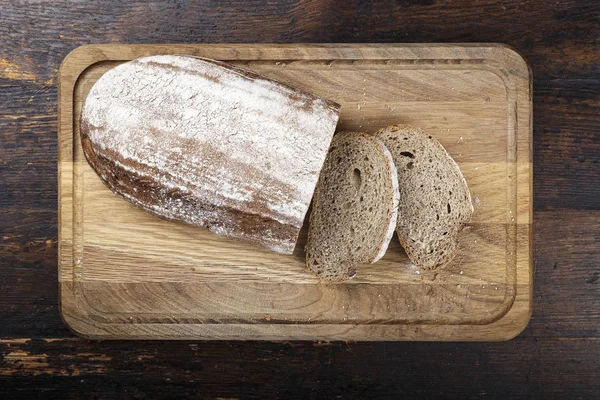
(435, 201)
(209, 144)
(354, 208)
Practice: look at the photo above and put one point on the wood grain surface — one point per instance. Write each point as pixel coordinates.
(126, 274)
(555, 357)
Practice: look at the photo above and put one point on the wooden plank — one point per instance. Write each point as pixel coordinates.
(28, 289)
(562, 42)
(567, 156)
(107, 266)
(566, 261)
(547, 368)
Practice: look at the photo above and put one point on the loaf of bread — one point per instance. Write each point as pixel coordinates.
(354, 209)
(435, 202)
(209, 144)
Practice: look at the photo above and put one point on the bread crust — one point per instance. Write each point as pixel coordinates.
(395, 201)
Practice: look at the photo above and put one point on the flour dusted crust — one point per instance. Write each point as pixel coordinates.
(209, 144)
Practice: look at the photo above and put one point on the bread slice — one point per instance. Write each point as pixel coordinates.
(435, 202)
(209, 144)
(354, 208)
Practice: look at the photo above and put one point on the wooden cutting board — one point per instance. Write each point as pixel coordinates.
(124, 273)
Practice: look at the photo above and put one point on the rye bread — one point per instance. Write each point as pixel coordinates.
(435, 202)
(354, 209)
(209, 144)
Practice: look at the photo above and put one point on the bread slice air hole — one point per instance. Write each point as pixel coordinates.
(356, 178)
(410, 165)
(407, 154)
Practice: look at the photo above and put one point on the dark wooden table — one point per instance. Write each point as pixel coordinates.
(558, 355)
